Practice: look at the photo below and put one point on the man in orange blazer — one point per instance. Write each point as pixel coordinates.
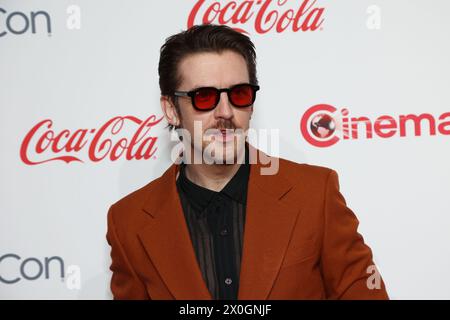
(229, 228)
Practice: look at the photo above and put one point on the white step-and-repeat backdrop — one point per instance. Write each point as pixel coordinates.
(81, 125)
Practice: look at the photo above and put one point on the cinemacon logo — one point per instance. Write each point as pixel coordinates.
(323, 125)
(18, 23)
(15, 268)
(262, 16)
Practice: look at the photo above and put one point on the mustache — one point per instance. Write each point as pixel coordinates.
(224, 124)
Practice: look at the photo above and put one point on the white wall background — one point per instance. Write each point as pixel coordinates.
(81, 78)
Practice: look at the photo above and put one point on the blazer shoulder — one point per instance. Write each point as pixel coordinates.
(128, 206)
(295, 172)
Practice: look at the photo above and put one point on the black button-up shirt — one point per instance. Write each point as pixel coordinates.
(216, 224)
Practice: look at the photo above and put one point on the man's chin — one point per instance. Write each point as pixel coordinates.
(221, 152)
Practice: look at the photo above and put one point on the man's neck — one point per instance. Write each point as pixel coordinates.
(214, 176)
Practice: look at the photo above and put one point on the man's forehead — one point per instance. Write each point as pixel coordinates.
(213, 69)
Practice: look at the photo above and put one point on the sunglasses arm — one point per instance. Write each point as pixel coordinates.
(181, 93)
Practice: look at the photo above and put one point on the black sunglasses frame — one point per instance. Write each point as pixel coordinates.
(192, 93)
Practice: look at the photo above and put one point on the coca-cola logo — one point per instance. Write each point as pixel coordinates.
(44, 144)
(265, 15)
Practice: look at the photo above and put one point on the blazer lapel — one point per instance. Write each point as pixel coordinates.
(269, 224)
(167, 241)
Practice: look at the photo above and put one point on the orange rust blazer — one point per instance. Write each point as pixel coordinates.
(300, 241)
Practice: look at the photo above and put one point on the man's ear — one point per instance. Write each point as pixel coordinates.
(169, 110)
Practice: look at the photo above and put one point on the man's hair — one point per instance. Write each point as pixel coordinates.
(198, 39)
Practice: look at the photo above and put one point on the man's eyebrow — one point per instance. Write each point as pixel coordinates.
(200, 86)
(204, 86)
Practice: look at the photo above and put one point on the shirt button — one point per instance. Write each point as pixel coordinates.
(228, 281)
(223, 232)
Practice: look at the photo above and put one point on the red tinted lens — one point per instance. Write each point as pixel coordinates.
(242, 95)
(205, 98)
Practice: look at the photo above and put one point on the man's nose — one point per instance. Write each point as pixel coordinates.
(224, 108)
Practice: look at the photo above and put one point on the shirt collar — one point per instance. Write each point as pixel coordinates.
(236, 189)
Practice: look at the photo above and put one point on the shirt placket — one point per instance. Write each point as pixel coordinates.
(221, 224)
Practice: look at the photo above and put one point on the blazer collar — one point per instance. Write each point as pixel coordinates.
(268, 227)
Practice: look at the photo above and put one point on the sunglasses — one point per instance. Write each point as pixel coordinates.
(207, 98)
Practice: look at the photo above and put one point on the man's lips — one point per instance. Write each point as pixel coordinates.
(224, 135)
